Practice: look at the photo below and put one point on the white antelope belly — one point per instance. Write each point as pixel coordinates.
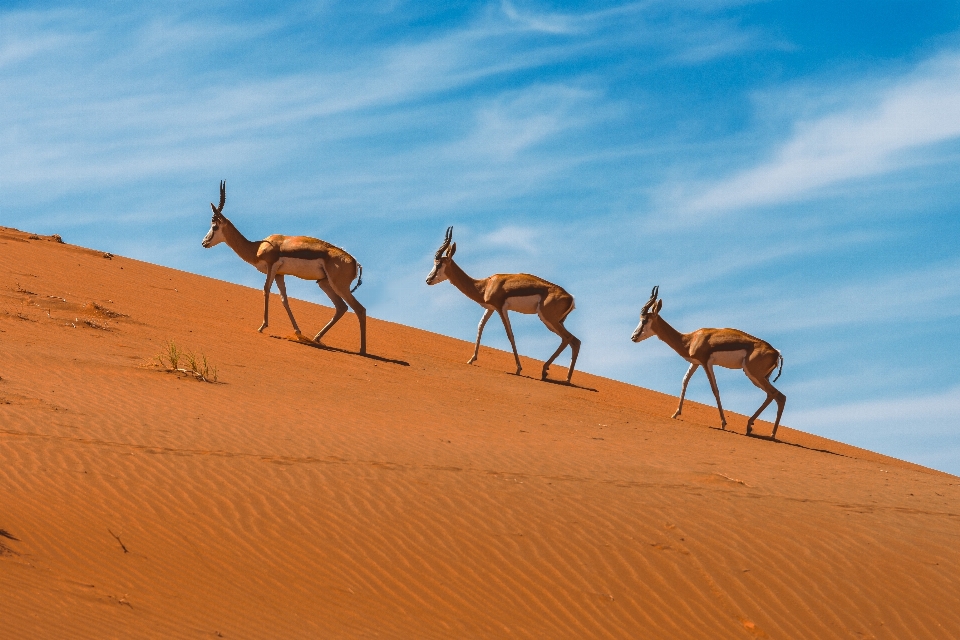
(728, 359)
(522, 304)
(301, 268)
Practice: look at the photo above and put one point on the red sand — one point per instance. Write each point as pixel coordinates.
(314, 493)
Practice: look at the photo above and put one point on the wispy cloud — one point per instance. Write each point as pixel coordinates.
(547, 23)
(517, 122)
(513, 237)
(122, 98)
(900, 426)
(919, 109)
(921, 295)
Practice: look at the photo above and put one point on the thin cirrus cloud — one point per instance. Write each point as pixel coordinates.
(546, 23)
(899, 424)
(126, 115)
(537, 114)
(924, 294)
(920, 109)
(105, 99)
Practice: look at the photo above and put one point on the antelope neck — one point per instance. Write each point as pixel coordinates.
(471, 288)
(673, 338)
(244, 248)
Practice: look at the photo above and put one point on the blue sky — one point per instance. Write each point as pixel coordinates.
(786, 168)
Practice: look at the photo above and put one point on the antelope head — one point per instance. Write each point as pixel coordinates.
(215, 235)
(649, 311)
(441, 259)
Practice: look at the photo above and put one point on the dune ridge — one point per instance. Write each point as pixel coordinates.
(313, 492)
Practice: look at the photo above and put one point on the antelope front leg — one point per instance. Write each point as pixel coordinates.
(506, 325)
(281, 285)
(483, 322)
(266, 299)
(683, 390)
(716, 392)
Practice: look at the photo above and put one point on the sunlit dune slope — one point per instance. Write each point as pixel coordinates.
(314, 493)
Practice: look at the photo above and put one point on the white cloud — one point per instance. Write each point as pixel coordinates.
(513, 237)
(919, 109)
(546, 23)
(925, 294)
(516, 122)
(922, 428)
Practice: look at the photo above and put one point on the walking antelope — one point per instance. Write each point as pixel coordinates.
(505, 292)
(300, 256)
(728, 348)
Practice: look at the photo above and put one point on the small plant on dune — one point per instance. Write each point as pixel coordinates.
(199, 366)
(169, 356)
(175, 359)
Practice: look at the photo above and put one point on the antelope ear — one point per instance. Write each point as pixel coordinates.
(453, 250)
(657, 307)
(214, 209)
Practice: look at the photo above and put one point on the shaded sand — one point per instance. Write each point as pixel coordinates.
(314, 493)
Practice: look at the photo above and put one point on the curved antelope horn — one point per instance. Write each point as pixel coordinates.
(653, 298)
(446, 243)
(223, 198)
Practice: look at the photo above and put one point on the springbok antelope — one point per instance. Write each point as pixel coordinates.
(505, 292)
(303, 257)
(728, 348)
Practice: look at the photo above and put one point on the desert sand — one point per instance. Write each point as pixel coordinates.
(315, 493)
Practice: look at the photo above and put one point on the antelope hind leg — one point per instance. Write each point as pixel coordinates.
(340, 307)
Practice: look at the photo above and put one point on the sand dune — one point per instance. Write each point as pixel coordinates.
(314, 493)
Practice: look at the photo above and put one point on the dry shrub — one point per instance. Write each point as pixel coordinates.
(176, 359)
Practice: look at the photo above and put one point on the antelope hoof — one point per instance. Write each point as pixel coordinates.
(749, 428)
(675, 415)
(262, 327)
(519, 369)
(471, 360)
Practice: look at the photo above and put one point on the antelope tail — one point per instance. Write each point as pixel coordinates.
(359, 277)
(780, 356)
